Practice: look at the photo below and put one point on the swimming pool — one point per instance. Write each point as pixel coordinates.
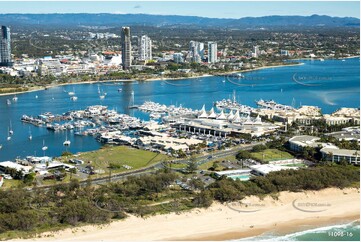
(242, 177)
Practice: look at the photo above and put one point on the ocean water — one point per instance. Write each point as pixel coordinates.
(330, 84)
(340, 232)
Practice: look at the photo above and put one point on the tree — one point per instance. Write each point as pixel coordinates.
(243, 154)
(203, 199)
(259, 148)
(29, 178)
(192, 165)
(196, 184)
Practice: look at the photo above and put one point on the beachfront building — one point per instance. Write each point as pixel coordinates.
(212, 52)
(196, 51)
(335, 154)
(256, 51)
(126, 48)
(50, 66)
(145, 48)
(178, 58)
(5, 47)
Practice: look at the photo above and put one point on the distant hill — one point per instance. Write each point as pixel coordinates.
(105, 19)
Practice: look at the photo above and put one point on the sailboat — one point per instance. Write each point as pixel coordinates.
(8, 102)
(9, 137)
(44, 148)
(15, 98)
(131, 104)
(72, 93)
(103, 95)
(11, 132)
(98, 89)
(66, 142)
(30, 136)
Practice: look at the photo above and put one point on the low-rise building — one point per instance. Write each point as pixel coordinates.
(297, 143)
(262, 170)
(337, 155)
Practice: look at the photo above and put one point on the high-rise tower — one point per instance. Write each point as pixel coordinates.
(126, 48)
(212, 52)
(5, 47)
(145, 48)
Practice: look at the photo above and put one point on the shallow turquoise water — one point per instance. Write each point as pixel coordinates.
(340, 232)
(240, 177)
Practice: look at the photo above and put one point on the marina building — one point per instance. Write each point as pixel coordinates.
(126, 48)
(12, 165)
(145, 48)
(212, 52)
(5, 47)
(350, 133)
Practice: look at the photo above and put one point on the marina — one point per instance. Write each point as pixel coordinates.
(161, 102)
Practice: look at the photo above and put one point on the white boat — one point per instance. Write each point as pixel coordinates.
(15, 98)
(119, 90)
(30, 136)
(8, 102)
(44, 148)
(72, 93)
(74, 98)
(36, 96)
(66, 142)
(101, 96)
(8, 138)
(1, 146)
(11, 132)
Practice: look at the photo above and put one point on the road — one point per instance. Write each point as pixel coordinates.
(153, 168)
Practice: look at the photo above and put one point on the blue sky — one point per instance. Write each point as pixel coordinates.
(219, 9)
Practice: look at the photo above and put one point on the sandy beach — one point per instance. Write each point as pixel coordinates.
(34, 89)
(291, 212)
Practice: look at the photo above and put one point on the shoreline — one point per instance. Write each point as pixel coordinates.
(219, 222)
(34, 89)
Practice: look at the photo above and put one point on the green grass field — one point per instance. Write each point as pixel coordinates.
(119, 156)
(271, 155)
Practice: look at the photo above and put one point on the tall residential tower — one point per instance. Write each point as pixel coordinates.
(145, 48)
(212, 52)
(5, 47)
(126, 48)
